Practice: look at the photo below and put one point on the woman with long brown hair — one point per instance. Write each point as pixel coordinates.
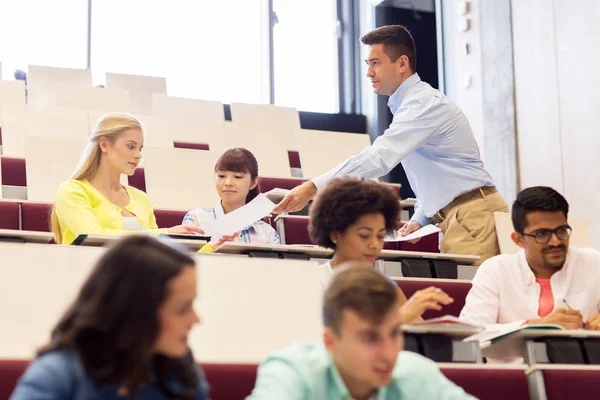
(125, 335)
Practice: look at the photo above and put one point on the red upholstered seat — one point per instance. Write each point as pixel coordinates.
(138, 179)
(9, 215)
(571, 384)
(227, 381)
(169, 218)
(429, 244)
(10, 371)
(230, 381)
(267, 184)
(192, 146)
(457, 290)
(294, 158)
(493, 384)
(296, 231)
(36, 216)
(13, 171)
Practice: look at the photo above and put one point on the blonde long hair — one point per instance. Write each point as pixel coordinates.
(110, 126)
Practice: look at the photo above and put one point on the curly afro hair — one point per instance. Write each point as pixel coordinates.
(343, 201)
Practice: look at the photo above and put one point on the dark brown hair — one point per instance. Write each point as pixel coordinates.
(397, 41)
(238, 159)
(113, 323)
(359, 289)
(343, 201)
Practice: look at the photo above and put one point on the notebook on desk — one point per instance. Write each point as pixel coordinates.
(493, 335)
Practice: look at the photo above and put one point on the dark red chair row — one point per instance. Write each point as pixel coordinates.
(35, 216)
(457, 290)
(235, 381)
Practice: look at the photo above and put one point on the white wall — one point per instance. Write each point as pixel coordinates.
(556, 54)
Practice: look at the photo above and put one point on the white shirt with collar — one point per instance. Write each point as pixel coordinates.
(505, 290)
(259, 232)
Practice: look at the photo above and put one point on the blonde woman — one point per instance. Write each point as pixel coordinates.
(94, 201)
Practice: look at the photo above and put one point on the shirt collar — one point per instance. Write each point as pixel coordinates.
(219, 212)
(529, 276)
(338, 383)
(395, 100)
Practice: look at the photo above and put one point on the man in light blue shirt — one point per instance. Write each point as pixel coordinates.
(361, 355)
(433, 140)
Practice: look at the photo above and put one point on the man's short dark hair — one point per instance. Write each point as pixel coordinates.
(536, 198)
(397, 41)
(343, 201)
(359, 289)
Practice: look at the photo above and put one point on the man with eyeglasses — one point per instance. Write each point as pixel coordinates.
(546, 281)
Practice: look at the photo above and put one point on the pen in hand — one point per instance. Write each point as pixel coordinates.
(570, 308)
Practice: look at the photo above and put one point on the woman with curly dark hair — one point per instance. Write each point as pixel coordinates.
(125, 335)
(353, 216)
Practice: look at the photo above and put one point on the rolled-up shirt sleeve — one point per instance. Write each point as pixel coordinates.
(411, 127)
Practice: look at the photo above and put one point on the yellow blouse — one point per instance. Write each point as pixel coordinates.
(81, 208)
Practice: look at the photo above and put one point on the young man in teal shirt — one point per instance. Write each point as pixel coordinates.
(361, 355)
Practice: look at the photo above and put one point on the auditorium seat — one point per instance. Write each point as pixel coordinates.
(43, 177)
(35, 217)
(226, 381)
(9, 215)
(41, 81)
(492, 383)
(138, 179)
(157, 130)
(13, 171)
(189, 118)
(295, 230)
(230, 381)
(169, 218)
(458, 290)
(321, 151)
(10, 372)
(192, 146)
(429, 244)
(180, 179)
(19, 122)
(91, 98)
(12, 93)
(267, 184)
(140, 88)
(571, 383)
(269, 148)
(294, 158)
(276, 122)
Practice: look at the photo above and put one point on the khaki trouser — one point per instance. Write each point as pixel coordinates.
(468, 226)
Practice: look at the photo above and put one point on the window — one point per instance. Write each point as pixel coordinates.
(206, 49)
(42, 32)
(306, 55)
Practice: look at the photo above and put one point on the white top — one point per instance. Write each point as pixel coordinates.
(131, 224)
(259, 232)
(325, 273)
(505, 290)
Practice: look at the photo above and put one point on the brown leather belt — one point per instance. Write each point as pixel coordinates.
(474, 194)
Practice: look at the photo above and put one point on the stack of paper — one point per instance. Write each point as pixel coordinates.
(424, 231)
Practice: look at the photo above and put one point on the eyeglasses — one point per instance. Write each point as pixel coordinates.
(543, 235)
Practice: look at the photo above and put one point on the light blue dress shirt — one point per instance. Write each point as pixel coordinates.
(306, 371)
(432, 138)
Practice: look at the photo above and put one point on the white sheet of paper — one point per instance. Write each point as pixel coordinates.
(424, 231)
(238, 219)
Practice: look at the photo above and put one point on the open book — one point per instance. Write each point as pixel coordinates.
(495, 333)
